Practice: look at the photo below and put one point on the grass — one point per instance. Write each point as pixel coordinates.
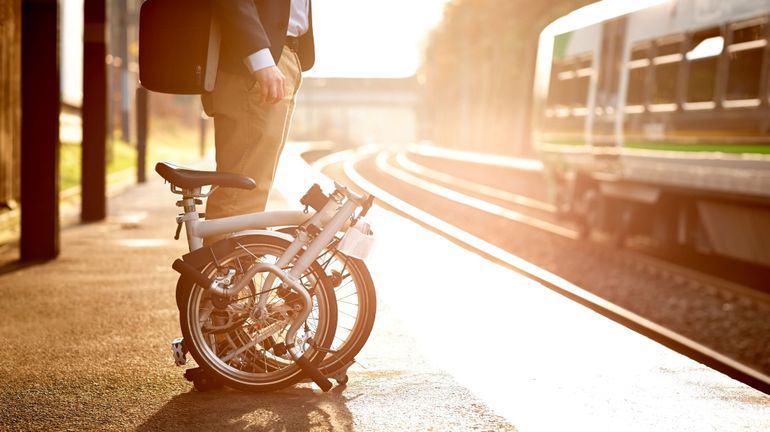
(168, 140)
(123, 157)
(175, 142)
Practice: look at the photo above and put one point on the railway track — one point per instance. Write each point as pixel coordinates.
(716, 322)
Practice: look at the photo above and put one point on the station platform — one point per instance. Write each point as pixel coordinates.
(460, 343)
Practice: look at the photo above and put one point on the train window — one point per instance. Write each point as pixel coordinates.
(553, 85)
(640, 51)
(666, 63)
(569, 83)
(743, 80)
(638, 71)
(668, 47)
(750, 31)
(637, 80)
(706, 45)
(666, 76)
(582, 80)
(559, 89)
(746, 53)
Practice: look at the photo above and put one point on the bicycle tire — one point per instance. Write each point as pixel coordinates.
(356, 290)
(262, 366)
(345, 348)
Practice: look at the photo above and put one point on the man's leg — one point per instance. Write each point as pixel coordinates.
(249, 136)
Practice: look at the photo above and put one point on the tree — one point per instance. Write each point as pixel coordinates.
(478, 73)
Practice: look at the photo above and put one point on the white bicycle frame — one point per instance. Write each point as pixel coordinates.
(334, 217)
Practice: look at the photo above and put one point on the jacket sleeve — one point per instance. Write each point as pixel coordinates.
(242, 30)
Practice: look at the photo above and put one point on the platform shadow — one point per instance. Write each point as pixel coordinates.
(295, 409)
(13, 265)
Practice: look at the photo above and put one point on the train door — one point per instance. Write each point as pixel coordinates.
(604, 131)
(600, 211)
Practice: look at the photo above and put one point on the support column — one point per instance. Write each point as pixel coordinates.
(94, 157)
(39, 130)
(119, 7)
(142, 96)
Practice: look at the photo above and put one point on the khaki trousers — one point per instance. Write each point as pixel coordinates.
(249, 135)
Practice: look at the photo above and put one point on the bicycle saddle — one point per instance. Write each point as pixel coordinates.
(191, 179)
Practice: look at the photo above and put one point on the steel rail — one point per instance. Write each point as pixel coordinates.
(637, 323)
(516, 199)
(474, 202)
(521, 164)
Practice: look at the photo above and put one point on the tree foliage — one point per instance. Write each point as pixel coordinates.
(478, 71)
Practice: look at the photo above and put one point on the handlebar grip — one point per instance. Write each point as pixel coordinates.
(314, 373)
(191, 272)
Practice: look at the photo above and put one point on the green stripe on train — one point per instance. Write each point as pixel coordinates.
(716, 147)
(669, 146)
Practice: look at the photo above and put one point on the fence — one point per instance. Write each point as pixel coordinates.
(10, 107)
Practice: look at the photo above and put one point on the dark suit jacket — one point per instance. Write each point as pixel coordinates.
(248, 26)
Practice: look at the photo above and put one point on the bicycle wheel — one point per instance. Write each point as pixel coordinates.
(246, 350)
(356, 307)
(356, 304)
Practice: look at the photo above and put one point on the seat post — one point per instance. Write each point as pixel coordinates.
(189, 200)
(190, 216)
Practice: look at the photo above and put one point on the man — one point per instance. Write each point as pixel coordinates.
(265, 46)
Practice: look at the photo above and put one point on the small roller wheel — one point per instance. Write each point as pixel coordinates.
(342, 380)
(204, 382)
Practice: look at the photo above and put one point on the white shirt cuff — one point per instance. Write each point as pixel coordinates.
(259, 60)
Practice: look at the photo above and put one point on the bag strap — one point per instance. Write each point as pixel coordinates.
(212, 55)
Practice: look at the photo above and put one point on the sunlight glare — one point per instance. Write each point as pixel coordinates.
(143, 243)
(710, 47)
(597, 12)
(370, 38)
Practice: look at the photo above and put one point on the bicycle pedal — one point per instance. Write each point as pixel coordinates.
(179, 352)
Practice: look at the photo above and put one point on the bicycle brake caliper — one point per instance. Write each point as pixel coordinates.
(225, 281)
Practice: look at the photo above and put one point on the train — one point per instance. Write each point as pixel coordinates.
(656, 122)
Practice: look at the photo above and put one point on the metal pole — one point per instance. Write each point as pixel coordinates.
(125, 97)
(39, 130)
(142, 96)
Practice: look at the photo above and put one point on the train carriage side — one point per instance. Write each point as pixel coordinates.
(674, 139)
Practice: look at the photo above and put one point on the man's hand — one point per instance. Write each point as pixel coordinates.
(271, 82)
